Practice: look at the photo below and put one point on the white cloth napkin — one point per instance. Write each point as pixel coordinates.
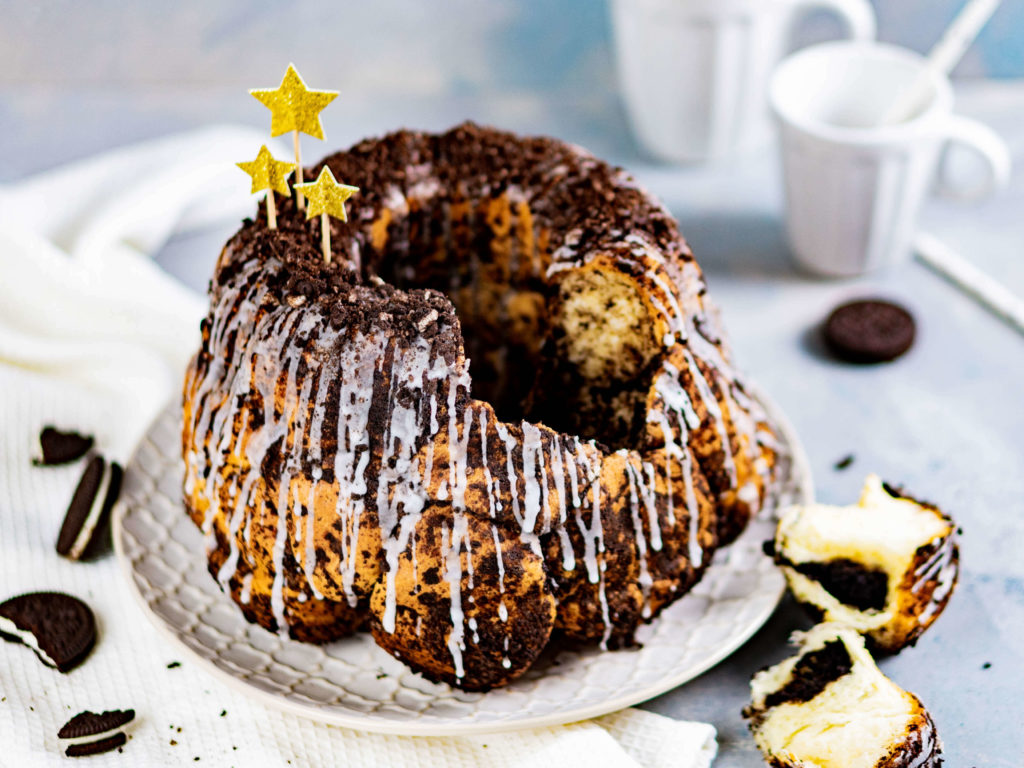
(95, 337)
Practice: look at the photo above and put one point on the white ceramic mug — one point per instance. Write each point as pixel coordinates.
(854, 188)
(694, 73)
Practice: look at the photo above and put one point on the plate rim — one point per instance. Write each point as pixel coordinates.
(370, 723)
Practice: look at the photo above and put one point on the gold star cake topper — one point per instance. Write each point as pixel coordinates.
(326, 198)
(296, 108)
(271, 175)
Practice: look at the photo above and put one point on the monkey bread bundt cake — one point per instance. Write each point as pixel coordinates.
(352, 472)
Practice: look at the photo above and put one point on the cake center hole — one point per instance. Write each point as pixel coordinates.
(575, 352)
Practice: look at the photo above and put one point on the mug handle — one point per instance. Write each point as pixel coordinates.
(857, 15)
(982, 141)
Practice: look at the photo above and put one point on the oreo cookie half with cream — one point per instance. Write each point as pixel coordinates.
(885, 566)
(89, 733)
(89, 510)
(831, 705)
(61, 629)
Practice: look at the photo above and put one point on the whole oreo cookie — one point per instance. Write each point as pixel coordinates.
(86, 521)
(61, 629)
(89, 733)
(869, 331)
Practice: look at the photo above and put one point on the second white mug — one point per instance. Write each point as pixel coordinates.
(694, 73)
(853, 187)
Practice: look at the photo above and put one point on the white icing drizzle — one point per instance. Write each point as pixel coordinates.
(246, 592)
(939, 567)
(709, 400)
(291, 452)
(644, 576)
(533, 459)
(453, 540)
(593, 535)
(352, 455)
(450, 546)
(677, 402)
(493, 505)
(400, 493)
(510, 445)
(558, 471)
(316, 459)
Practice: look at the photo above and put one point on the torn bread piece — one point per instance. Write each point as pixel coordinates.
(885, 566)
(831, 707)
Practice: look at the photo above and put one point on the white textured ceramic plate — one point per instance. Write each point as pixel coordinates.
(355, 684)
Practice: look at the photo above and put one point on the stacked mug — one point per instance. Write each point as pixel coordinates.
(697, 77)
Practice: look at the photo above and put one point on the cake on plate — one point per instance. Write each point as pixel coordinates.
(350, 469)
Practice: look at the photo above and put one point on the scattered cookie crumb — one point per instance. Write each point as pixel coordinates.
(844, 462)
(174, 743)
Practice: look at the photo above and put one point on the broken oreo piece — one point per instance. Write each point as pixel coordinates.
(90, 507)
(61, 629)
(88, 733)
(92, 724)
(61, 447)
(869, 331)
(97, 747)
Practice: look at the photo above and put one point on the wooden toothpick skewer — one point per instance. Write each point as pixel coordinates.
(299, 199)
(271, 175)
(326, 198)
(325, 237)
(271, 210)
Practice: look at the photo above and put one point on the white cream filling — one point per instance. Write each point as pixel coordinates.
(854, 720)
(8, 627)
(90, 739)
